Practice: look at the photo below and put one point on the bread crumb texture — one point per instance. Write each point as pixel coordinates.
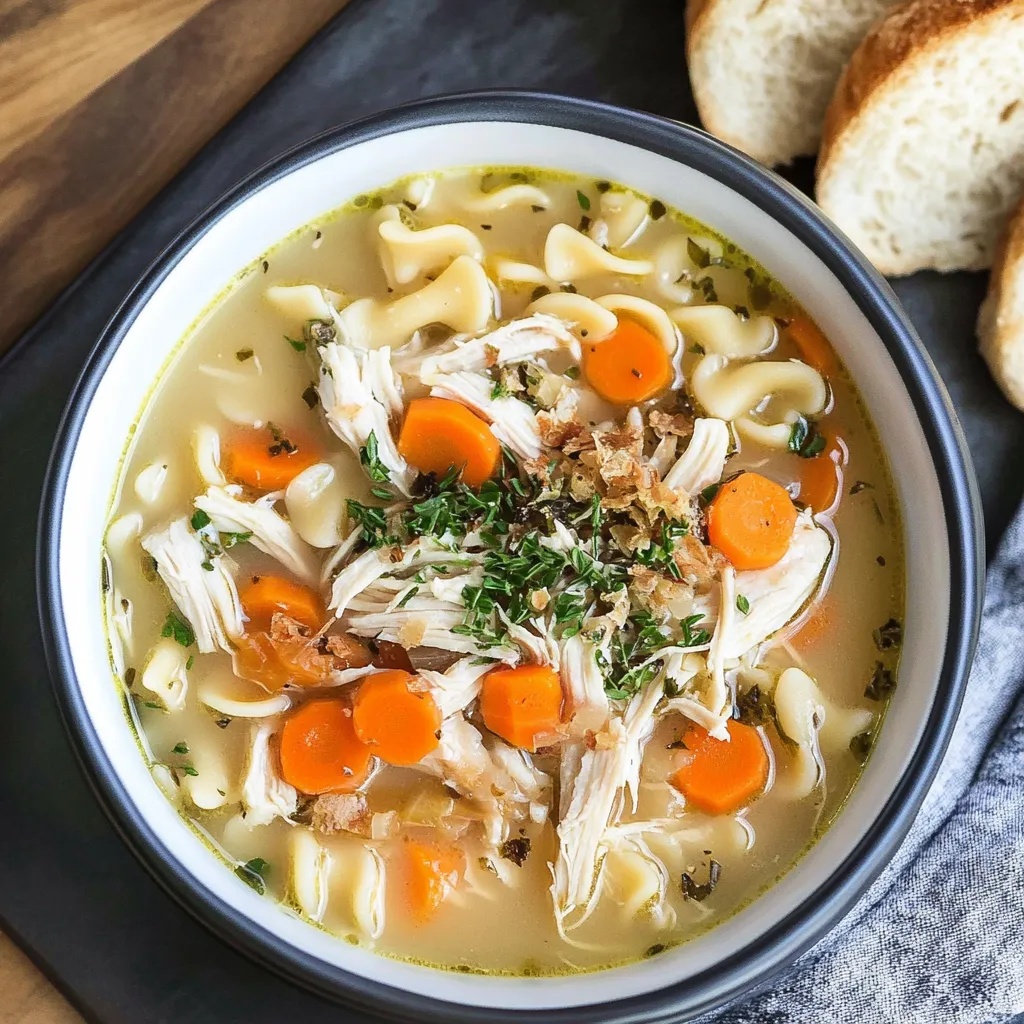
(922, 153)
(763, 71)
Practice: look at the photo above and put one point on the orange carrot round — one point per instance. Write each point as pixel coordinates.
(751, 521)
(431, 873)
(267, 460)
(719, 777)
(438, 434)
(821, 478)
(630, 365)
(262, 596)
(813, 346)
(520, 704)
(320, 752)
(398, 721)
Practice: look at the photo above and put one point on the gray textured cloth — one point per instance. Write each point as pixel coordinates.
(939, 937)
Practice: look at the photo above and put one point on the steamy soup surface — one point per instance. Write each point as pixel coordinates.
(505, 575)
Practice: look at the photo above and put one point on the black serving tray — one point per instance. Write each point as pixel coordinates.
(70, 892)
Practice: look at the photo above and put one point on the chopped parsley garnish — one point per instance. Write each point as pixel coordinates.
(572, 372)
(583, 199)
(742, 604)
(179, 629)
(180, 748)
(311, 396)
(658, 209)
(188, 769)
(860, 746)
(659, 553)
(371, 520)
(299, 346)
(805, 440)
(199, 519)
(254, 873)
(693, 637)
(499, 390)
(243, 354)
(369, 457)
(753, 706)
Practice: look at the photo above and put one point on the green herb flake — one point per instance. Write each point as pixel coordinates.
(658, 209)
(515, 850)
(860, 746)
(369, 457)
(176, 627)
(699, 893)
(311, 396)
(699, 256)
(572, 372)
(882, 683)
(129, 677)
(188, 769)
(180, 748)
(191, 661)
(199, 520)
(888, 636)
(254, 873)
(583, 199)
(243, 354)
(805, 440)
(742, 604)
(299, 346)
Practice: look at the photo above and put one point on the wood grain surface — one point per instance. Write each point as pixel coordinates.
(101, 103)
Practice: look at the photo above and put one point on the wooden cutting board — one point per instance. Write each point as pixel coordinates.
(101, 103)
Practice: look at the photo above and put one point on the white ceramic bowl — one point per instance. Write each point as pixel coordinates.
(764, 216)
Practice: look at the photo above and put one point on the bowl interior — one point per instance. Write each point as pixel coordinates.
(272, 210)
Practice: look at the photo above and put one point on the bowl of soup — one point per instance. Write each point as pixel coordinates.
(509, 558)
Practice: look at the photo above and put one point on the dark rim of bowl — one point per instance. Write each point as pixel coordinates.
(756, 963)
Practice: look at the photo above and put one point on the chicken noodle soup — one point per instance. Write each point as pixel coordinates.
(506, 547)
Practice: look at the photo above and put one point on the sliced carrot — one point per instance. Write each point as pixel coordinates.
(438, 434)
(751, 521)
(320, 752)
(630, 365)
(268, 459)
(813, 346)
(520, 704)
(821, 478)
(399, 721)
(431, 872)
(719, 777)
(262, 596)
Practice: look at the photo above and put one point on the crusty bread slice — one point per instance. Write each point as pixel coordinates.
(763, 71)
(922, 154)
(1001, 319)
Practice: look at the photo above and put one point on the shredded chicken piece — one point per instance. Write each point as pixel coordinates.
(458, 687)
(716, 724)
(500, 779)
(703, 462)
(359, 392)
(265, 795)
(511, 343)
(718, 697)
(775, 595)
(583, 685)
(271, 533)
(695, 563)
(513, 422)
(207, 598)
(594, 801)
(561, 427)
(342, 812)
